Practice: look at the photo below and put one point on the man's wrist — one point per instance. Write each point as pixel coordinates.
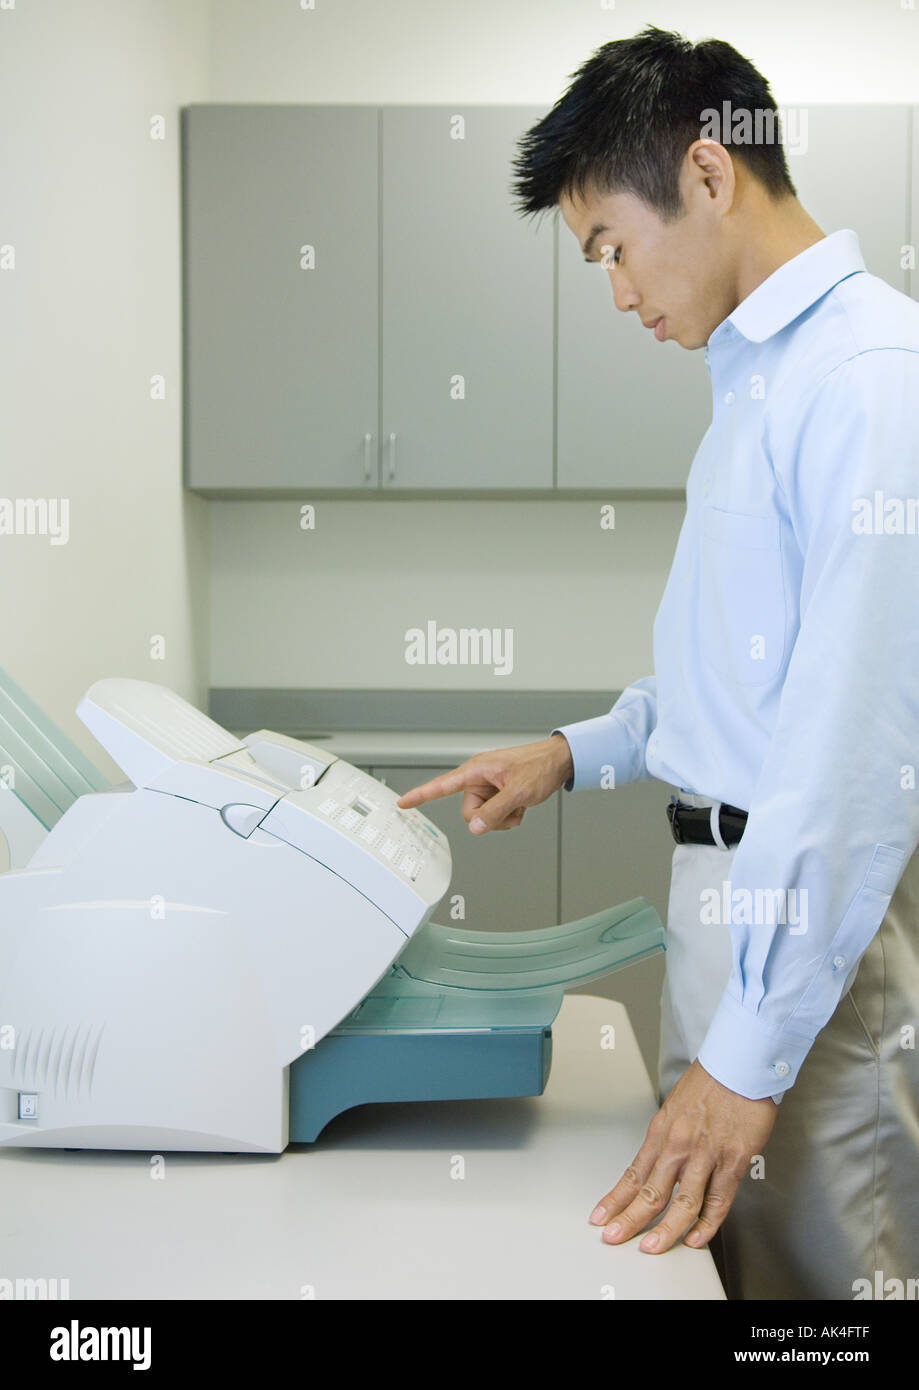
(748, 1055)
(564, 757)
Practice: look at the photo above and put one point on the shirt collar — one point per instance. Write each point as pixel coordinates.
(795, 286)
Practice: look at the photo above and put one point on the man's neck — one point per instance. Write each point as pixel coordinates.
(783, 232)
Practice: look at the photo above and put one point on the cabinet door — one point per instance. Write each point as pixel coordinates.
(617, 845)
(507, 879)
(281, 297)
(467, 306)
(829, 151)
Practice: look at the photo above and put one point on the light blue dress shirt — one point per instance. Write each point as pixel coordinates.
(786, 646)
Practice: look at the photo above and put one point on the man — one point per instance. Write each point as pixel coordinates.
(785, 704)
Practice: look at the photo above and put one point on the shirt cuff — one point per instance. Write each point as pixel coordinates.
(748, 1056)
(602, 751)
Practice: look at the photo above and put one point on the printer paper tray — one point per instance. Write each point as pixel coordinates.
(452, 978)
(463, 1015)
(570, 954)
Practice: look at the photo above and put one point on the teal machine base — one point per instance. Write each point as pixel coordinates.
(463, 1015)
(345, 1071)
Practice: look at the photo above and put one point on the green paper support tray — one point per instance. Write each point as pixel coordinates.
(464, 1015)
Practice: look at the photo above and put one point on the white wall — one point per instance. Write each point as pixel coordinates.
(90, 313)
(523, 50)
(331, 608)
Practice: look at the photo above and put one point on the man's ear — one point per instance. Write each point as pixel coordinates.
(708, 164)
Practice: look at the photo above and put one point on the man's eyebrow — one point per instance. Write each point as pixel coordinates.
(594, 233)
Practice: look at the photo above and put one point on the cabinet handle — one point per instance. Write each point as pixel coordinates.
(392, 457)
(368, 440)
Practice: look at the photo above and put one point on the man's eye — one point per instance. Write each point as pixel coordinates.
(609, 255)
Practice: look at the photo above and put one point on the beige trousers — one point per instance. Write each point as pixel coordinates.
(839, 1199)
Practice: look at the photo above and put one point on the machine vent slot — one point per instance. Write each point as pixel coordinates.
(58, 1061)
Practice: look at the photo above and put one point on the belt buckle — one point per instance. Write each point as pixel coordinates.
(673, 817)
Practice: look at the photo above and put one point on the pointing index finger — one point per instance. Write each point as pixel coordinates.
(446, 785)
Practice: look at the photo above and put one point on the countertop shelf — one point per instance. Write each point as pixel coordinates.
(374, 1209)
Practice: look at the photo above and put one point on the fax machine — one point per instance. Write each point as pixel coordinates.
(236, 945)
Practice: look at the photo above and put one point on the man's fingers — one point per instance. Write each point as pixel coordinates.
(484, 806)
(683, 1210)
(473, 798)
(702, 1139)
(628, 1187)
(499, 812)
(699, 1206)
(649, 1201)
(448, 784)
(510, 821)
(496, 792)
(722, 1189)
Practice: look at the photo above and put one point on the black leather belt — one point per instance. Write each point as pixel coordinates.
(692, 825)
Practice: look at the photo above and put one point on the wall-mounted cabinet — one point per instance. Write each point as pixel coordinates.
(293, 380)
(366, 313)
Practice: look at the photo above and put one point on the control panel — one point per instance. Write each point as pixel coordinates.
(365, 809)
(350, 822)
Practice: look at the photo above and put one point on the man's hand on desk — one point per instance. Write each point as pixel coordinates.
(499, 786)
(703, 1137)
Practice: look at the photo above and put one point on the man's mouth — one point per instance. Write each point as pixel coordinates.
(660, 328)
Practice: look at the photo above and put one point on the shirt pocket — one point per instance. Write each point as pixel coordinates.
(742, 593)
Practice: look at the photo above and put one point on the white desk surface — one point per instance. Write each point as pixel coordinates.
(370, 1211)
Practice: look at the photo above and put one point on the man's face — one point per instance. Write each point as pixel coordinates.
(679, 272)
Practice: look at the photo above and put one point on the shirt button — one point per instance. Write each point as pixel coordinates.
(729, 398)
(781, 1068)
(838, 962)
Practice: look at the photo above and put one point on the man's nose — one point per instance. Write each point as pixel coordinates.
(624, 296)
